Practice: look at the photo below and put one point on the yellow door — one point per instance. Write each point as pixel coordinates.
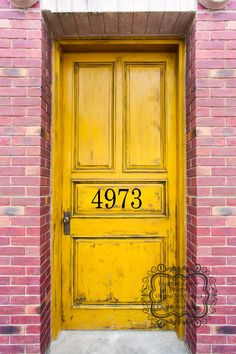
(119, 183)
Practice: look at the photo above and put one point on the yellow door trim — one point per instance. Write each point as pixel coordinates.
(137, 44)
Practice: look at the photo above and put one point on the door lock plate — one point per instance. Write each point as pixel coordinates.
(66, 222)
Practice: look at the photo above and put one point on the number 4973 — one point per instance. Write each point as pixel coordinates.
(110, 197)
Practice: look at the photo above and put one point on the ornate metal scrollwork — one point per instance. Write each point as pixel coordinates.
(177, 295)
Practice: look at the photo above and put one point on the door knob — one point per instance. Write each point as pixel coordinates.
(66, 222)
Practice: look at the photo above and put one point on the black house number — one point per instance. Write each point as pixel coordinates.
(108, 199)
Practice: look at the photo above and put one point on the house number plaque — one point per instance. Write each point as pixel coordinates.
(126, 199)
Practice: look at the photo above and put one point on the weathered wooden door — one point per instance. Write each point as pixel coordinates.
(119, 183)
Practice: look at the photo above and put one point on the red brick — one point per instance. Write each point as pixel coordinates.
(33, 211)
(211, 241)
(12, 91)
(203, 349)
(19, 53)
(231, 241)
(210, 221)
(231, 260)
(27, 82)
(12, 151)
(210, 102)
(25, 221)
(24, 241)
(12, 231)
(25, 280)
(26, 101)
(231, 161)
(224, 171)
(4, 280)
(9, 131)
(4, 340)
(5, 62)
(25, 201)
(25, 319)
(12, 270)
(4, 261)
(26, 161)
(33, 34)
(224, 231)
(231, 63)
(25, 300)
(26, 62)
(212, 261)
(222, 251)
(4, 201)
(211, 201)
(210, 83)
(231, 201)
(12, 33)
(13, 111)
(214, 89)
(224, 349)
(209, 44)
(231, 122)
(223, 112)
(4, 320)
(33, 290)
(26, 43)
(210, 141)
(24, 339)
(231, 320)
(32, 349)
(231, 280)
(203, 35)
(33, 271)
(212, 339)
(14, 349)
(224, 191)
(26, 261)
(6, 191)
(209, 64)
(13, 310)
(5, 81)
(210, 181)
(232, 340)
(12, 171)
(229, 270)
(13, 14)
(26, 140)
(33, 329)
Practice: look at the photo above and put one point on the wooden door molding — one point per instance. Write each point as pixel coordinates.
(113, 45)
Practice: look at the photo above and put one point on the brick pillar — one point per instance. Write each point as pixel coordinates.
(25, 56)
(211, 129)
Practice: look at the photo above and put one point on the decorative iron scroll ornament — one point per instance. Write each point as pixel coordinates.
(23, 4)
(177, 295)
(214, 4)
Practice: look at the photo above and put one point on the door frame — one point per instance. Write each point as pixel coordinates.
(111, 44)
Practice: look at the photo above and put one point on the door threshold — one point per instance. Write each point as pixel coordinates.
(118, 342)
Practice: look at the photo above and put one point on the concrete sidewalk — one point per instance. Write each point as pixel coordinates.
(118, 342)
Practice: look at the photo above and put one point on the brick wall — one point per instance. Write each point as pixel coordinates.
(24, 185)
(211, 167)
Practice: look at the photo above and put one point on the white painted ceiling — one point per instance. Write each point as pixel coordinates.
(118, 5)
